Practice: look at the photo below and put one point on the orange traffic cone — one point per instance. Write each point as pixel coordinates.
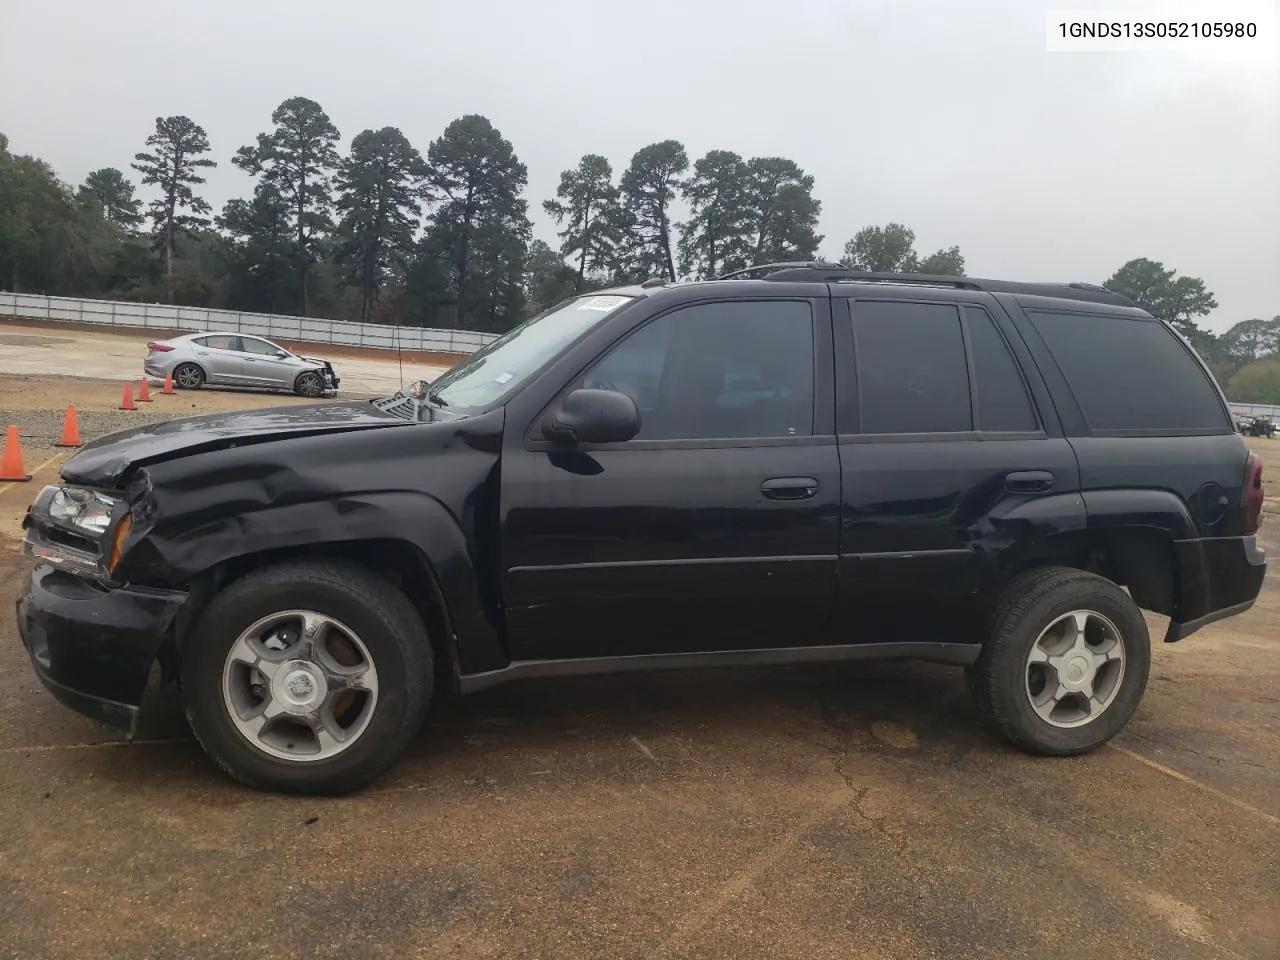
(11, 462)
(126, 401)
(168, 383)
(144, 391)
(70, 428)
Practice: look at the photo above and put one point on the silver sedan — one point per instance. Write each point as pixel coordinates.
(237, 360)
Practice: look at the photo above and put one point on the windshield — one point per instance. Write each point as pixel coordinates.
(510, 360)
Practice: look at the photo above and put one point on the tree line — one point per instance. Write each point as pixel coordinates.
(1245, 359)
(388, 234)
(385, 232)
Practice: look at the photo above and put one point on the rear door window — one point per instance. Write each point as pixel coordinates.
(912, 373)
(1003, 403)
(220, 342)
(1131, 375)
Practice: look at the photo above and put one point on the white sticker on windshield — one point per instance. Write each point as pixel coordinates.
(603, 303)
(503, 377)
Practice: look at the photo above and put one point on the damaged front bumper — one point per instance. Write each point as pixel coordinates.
(331, 378)
(93, 644)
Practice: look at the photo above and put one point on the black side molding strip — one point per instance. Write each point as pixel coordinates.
(954, 653)
(1179, 631)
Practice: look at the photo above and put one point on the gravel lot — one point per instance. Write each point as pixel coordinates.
(847, 812)
(43, 428)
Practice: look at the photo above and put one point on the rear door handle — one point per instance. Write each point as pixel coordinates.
(789, 488)
(1028, 481)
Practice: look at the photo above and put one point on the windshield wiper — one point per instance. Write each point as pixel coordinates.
(435, 398)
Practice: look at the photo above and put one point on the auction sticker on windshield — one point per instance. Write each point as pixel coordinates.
(603, 303)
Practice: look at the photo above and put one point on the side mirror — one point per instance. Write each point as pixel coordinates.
(593, 416)
(280, 355)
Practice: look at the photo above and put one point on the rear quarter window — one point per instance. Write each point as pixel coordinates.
(1130, 374)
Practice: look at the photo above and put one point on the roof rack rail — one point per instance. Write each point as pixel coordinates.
(764, 269)
(836, 273)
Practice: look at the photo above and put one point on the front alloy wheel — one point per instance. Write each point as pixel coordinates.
(309, 384)
(307, 677)
(300, 685)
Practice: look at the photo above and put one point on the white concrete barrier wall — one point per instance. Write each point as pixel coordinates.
(156, 316)
(121, 313)
(1256, 409)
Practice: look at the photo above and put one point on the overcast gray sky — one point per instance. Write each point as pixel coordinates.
(950, 117)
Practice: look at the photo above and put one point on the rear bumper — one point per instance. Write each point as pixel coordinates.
(154, 366)
(1219, 578)
(93, 646)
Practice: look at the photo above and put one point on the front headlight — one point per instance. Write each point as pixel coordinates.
(72, 528)
(85, 510)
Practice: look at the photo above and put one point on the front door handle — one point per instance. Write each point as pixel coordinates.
(789, 488)
(1028, 481)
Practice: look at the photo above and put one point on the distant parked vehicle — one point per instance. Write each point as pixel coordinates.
(1259, 427)
(236, 360)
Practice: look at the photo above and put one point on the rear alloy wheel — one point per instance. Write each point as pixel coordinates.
(309, 384)
(1075, 669)
(188, 376)
(1066, 663)
(307, 677)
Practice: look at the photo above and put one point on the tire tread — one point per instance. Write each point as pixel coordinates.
(985, 676)
(384, 601)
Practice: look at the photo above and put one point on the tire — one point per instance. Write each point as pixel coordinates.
(385, 626)
(188, 376)
(309, 383)
(1007, 686)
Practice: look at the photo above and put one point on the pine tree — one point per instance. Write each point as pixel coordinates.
(783, 211)
(715, 239)
(297, 158)
(380, 192)
(586, 199)
(176, 148)
(479, 227)
(263, 269)
(113, 194)
(647, 189)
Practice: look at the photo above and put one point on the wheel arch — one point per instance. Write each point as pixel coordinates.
(411, 539)
(400, 562)
(1138, 557)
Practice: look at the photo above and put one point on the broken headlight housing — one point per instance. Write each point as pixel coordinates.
(82, 509)
(76, 529)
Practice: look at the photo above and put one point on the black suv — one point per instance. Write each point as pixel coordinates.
(803, 465)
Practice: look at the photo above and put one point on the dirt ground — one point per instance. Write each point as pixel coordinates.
(36, 349)
(846, 812)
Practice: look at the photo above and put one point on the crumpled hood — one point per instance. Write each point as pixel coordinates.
(104, 461)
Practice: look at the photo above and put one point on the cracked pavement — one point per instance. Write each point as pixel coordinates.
(848, 811)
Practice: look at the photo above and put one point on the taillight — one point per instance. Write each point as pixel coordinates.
(1251, 502)
(158, 347)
